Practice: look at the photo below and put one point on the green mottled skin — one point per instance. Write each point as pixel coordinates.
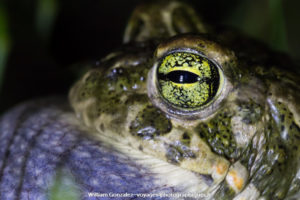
(218, 134)
(257, 122)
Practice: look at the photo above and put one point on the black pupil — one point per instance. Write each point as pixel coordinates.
(180, 76)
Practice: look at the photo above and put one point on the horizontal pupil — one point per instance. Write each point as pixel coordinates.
(180, 76)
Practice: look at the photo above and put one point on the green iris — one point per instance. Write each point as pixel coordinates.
(188, 80)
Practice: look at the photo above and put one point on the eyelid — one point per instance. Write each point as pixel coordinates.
(199, 44)
(183, 113)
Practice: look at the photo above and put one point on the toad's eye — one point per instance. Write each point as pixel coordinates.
(188, 80)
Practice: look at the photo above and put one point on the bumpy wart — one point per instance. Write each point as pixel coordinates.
(187, 80)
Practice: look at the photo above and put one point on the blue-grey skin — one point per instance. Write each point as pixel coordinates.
(123, 138)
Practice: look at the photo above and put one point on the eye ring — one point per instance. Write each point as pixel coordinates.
(196, 105)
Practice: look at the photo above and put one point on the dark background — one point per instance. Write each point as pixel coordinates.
(41, 39)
